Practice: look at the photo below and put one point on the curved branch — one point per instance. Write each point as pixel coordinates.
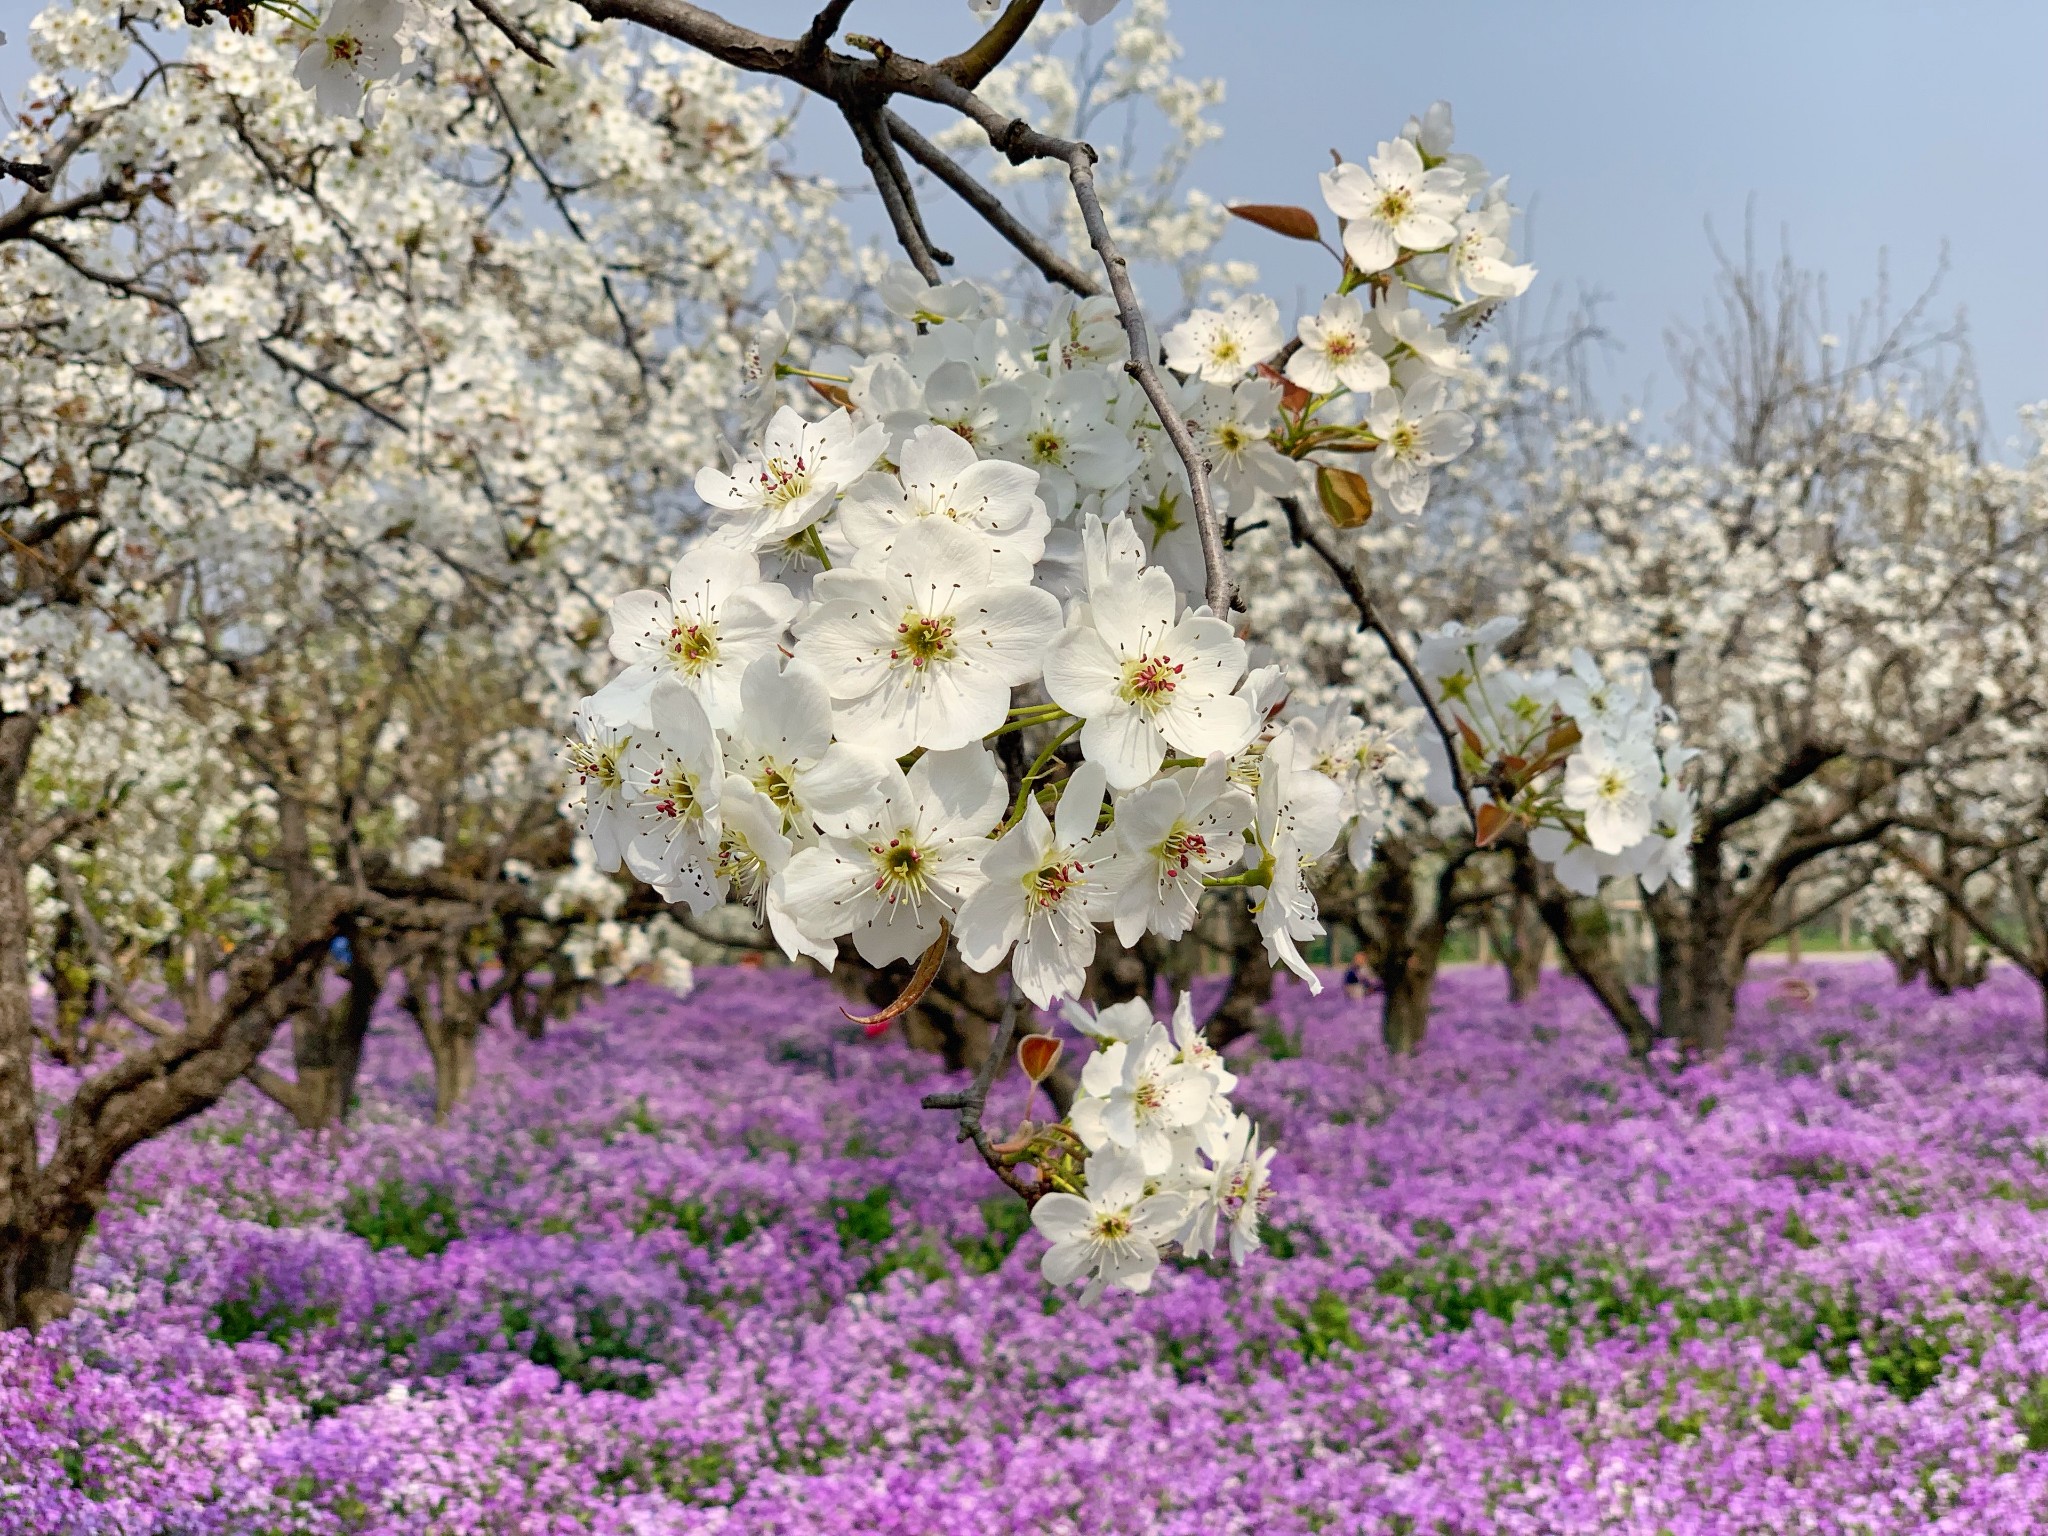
(1303, 532)
(998, 217)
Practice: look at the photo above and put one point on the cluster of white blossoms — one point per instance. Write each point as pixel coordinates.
(1377, 375)
(808, 716)
(1589, 765)
(1167, 1159)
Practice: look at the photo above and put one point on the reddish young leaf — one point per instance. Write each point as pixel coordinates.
(1472, 742)
(1346, 498)
(832, 392)
(1491, 820)
(1038, 1055)
(1281, 218)
(1293, 398)
(913, 991)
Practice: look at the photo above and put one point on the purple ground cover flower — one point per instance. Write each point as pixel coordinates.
(703, 1266)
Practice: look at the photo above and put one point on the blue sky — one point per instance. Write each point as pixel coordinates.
(1852, 129)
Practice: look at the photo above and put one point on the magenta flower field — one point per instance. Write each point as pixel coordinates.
(682, 1267)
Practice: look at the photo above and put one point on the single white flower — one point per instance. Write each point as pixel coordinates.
(1172, 834)
(1222, 346)
(1065, 429)
(673, 774)
(594, 754)
(1336, 350)
(1144, 679)
(1416, 433)
(1669, 854)
(1614, 786)
(357, 44)
(1044, 893)
(891, 871)
(1480, 261)
(789, 482)
(1393, 203)
(1111, 1234)
(1299, 815)
(752, 849)
(1243, 1187)
(1234, 428)
(716, 619)
(1404, 334)
(905, 294)
(919, 646)
(782, 745)
(940, 475)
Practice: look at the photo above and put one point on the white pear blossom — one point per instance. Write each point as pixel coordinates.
(1416, 433)
(1044, 893)
(894, 869)
(1480, 262)
(674, 773)
(1065, 429)
(782, 745)
(1337, 350)
(716, 619)
(1172, 834)
(1222, 346)
(790, 481)
(1393, 204)
(1233, 427)
(1299, 815)
(1145, 676)
(1614, 786)
(594, 755)
(356, 46)
(1135, 1095)
(1109, 1235)
(940, 475)
(919, 646)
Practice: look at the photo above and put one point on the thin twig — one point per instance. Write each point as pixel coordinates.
(515, 34)
(994, 213)
(875, 150)
(333, 386)
(1303, 532)
(1081, 172)
(811, 46)
(561, 201)
(103, 954)
(971, 1102)
(972, 65)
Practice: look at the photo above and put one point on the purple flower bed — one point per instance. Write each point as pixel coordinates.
(704, 1266)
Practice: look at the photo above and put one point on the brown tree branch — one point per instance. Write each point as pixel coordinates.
(971, 1102)
(1304, 532)
(972, 65)
(515, 34)
(994, 213)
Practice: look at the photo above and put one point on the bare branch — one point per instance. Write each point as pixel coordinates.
(515, 34)
(887, 171)
(1303, 532)
(1081, 172)
(972, 65)
(1020, 235)
(972, 1102)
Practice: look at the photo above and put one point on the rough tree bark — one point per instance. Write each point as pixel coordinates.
(1586, 954)
(1522, 938)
